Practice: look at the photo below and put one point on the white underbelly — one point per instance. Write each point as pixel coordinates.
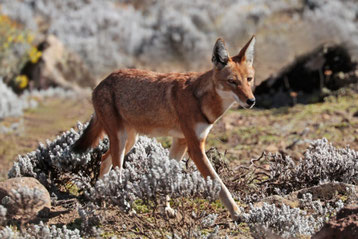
(165, 132)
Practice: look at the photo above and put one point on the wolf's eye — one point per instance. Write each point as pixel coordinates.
(232, 81)
(249, 79)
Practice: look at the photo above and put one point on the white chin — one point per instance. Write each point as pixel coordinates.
(242, 104)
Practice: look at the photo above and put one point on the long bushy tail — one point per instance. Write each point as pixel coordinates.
(89, 137)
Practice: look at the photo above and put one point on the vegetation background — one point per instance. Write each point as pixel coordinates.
(53, 52)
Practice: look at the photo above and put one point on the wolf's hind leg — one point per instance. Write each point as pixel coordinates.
(178, 149)
(106, 164)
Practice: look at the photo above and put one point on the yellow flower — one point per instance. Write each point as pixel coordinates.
(20, 38)
(30, 38)
(34, 55)
(21, 81)
(10, 38)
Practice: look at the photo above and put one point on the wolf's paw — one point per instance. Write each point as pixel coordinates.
(170, 212)
(237, 217)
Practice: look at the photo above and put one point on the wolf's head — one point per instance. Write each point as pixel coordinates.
(234, 76)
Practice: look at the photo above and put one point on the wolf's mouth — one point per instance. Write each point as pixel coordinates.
(242, 104)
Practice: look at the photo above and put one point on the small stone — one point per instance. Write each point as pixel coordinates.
(326, 116)
(341, 75)
(271, 148)
(7, 186)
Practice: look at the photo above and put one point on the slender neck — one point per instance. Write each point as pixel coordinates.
(203, 85)
(212, 103)
(205, 78)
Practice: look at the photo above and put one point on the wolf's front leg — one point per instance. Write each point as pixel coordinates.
(196, 150)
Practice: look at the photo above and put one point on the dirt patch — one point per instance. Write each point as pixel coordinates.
(344, 225)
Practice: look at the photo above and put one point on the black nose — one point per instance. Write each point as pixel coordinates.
(250, 101)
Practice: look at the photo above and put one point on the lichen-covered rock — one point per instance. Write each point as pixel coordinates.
(24, 195)
(324, 192)
(343, 226)
(328, 191)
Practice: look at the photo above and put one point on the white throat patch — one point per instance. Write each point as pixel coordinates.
(229, 98)
(202, 130)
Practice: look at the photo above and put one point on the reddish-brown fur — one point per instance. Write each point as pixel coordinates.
(183, 105)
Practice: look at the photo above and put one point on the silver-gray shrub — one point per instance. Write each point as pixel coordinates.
(293, 222)
(285, 221)
(149, 174)
(50, 162)
(322, 162)
(10, 103)
(209, 220)
(91, 218)
(318, 208)
(40, 231)
(3, 212)
(340, 16)
(50, 92)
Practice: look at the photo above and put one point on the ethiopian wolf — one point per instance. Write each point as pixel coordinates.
(181, 105)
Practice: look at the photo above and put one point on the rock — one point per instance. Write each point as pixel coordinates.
(271, 148)
(323, 192)
(326, 191)
(58, 66)
(278, 201)
(30, 186)
(344, 225)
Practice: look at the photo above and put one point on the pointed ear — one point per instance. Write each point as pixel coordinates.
(220, 55)
(247, 52)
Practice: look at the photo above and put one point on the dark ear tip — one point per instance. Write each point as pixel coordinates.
(220, 40)
(220, 56)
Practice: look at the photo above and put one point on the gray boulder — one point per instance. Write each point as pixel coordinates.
(24, 197)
